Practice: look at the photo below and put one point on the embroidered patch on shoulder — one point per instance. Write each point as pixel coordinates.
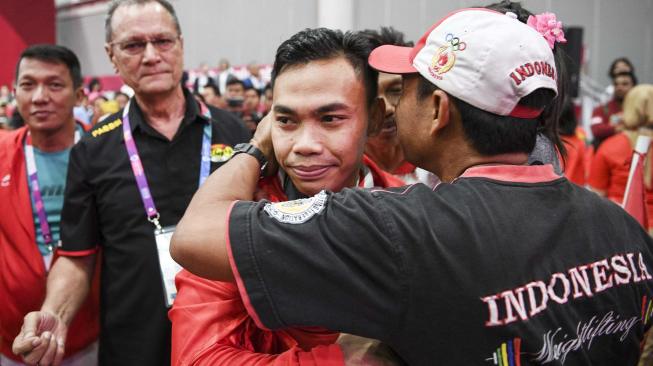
(106, 128)
(297, 211)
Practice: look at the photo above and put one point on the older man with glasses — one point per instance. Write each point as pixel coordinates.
(130, 180)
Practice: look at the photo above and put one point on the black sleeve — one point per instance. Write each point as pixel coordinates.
(331, 260)
(79, 229)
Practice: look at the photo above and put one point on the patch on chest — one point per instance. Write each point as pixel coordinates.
(221, 153)
(297, 211)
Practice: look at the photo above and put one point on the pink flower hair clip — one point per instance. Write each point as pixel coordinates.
(548, 26)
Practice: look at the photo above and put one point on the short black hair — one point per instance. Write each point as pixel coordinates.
(234, 80)
(115, 4)
(53, 54)
(492, 134)
(629, 74)
(614, 63)
(93, 82)
(211, 85)
(258, 91)
(568, 121)
(385, 35)
(323, 44)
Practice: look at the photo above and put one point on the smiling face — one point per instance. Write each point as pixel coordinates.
(320, 124)
(45, 94)
(152, 71)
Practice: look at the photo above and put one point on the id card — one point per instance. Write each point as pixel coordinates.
(47, 261)
(169, 268)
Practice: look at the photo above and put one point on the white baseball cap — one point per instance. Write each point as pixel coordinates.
(485, 58)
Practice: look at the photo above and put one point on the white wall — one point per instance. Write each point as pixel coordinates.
(250, 30)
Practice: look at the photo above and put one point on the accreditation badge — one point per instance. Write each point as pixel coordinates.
(169, 268)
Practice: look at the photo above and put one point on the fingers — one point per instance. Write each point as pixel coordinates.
(51, 351)
(34, 357)
(27, 339)
(61, 348)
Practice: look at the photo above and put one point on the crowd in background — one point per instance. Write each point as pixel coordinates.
(242, 90)
(246, 92)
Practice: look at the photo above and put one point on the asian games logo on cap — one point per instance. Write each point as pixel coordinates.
(445, 56)
(221, 153)
(297, 211)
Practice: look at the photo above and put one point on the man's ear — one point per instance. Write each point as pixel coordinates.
(109, 50)
(441, 111)
(79, 94)
(375, 116)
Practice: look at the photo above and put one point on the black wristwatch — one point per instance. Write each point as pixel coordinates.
(253, 151)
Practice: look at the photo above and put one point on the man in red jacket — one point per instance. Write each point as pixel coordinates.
(324, 109)
(606, 118)
(33, 165)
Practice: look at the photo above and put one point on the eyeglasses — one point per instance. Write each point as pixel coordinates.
(135, 47)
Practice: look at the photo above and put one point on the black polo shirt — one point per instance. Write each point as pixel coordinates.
(103, 209)
(507, 265)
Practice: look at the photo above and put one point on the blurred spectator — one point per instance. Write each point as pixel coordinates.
(252, 101)
(611, 163)
(82, 111)
(4, 118)
(267, 99)
(97, 108)
(94, 88)
(235, 96)
(619, 65)
(211, 95)
(201, 77)
(254, 78)
(252, 108)
(224, 74)
(5, 94)
(122, 99)
(574, 161)
(606, 118)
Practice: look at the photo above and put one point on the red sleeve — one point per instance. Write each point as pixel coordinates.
(599, 175)
(601, 127)
(221, 354)
(210, 326)
(602, 130)
(574, 163)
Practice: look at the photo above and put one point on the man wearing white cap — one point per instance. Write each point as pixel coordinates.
(503, 263)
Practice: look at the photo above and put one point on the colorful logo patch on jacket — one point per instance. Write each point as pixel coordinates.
(297, 211)
(221, 153)
(445, 57)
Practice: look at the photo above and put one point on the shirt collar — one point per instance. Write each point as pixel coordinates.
(192, 112)
(513, 173)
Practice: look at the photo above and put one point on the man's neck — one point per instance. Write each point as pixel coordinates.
(53, 141)
(455, 159)
(387, 157)
(163, 112)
